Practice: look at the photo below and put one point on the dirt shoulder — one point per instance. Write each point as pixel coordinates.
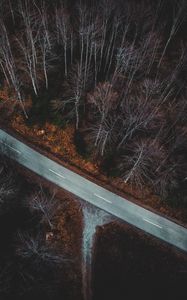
(58, 144)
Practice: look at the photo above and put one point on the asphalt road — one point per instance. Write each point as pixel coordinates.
(149, 222)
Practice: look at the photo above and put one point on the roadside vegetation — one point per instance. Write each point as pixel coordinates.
(107, 81)
(40, 252)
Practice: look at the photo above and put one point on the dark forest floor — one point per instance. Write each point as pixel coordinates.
(130, 264)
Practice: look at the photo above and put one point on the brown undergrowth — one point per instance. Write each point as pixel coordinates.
(66, 234)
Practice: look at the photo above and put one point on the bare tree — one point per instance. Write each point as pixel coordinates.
(139, 114)
(35, 248)
(27, 41)
(103, 103)
(45, 204)
(111, 45)
(104, 136)
(43, 15)
(45, 53)
(136, 61)
(179, 11)
(107, 7)
(140, 161)
(64, 32)
(90, 36)
(35, 44)
(8, 65)
(172, 171)
(46, 41)
(167, 181)
(104, 99)
(73, 101)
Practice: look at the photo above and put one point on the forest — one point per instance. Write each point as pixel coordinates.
(116, 71)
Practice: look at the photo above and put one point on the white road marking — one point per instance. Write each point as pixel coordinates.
(57, 174)
(19, 152)
(102, 198)
(152, 223)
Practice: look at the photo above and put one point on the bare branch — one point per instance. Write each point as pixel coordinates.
(140, 160)
(29, 247)
(45, 204)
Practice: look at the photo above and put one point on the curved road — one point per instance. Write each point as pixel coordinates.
(152, 223)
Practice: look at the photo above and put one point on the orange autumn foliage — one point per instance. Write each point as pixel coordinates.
(56, 139)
